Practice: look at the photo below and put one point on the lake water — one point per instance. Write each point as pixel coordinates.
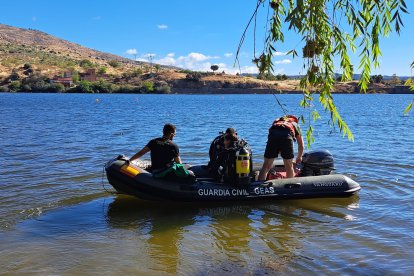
(56, 217)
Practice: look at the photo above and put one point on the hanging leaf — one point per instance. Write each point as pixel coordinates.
(329, 30)
(408, 108)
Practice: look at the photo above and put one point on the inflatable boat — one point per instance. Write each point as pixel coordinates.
(315, 180)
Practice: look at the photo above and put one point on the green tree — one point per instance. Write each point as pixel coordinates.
(330, 29)
(377, 78)
(214, 67)
(281, 77)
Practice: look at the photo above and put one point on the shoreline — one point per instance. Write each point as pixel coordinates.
(221, 92)
(212, 91)
(397, 90)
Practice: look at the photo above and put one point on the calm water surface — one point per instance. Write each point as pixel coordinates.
(56, 217)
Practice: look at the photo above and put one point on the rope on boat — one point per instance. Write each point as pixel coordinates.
(103, 184)
(280, 104)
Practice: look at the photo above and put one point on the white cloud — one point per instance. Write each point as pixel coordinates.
(280, 54)
(162, 26)
(195, 57)
(285, 61)
(34, 18)
(192, 61)
(200, 62)
(243, 70)
(227, 55)
(167, 60)
(149, 57)
(131, 52)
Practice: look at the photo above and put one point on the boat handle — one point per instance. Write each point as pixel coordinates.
(293, 185)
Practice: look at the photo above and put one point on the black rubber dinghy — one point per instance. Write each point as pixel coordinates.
(128, 178)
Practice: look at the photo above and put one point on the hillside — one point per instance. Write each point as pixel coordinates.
(30, 56)
(50, 54)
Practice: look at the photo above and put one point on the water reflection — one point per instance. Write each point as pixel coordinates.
(161, 227)
(260, 237)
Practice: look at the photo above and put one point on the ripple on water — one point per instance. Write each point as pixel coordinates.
(53, 149)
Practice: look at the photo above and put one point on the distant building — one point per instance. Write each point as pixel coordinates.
(66, 80)
(89, 75)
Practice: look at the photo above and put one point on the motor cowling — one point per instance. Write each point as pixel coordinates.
(318, 162)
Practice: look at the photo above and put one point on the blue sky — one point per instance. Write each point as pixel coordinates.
(189, 34)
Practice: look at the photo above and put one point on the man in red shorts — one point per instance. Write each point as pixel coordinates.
(283, 132)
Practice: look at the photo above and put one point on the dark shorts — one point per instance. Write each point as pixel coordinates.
(279, 140)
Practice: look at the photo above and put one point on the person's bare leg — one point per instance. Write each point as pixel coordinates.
(289, 168)
(267, 165)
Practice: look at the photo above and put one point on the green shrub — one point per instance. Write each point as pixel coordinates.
(94, 87)
(128, 89)
(28, 72)
(26, 88)
(75, 76)
(82, 87)
(15, 86)
(147, 86)
(103, 87)
(4, 89)
(137, 72)
(57, 87)
(114, 63)
(193, 76)
(165, 89)
(102, 70)
(86, 63)
(186, 71)
(14, 76)
(37, 83)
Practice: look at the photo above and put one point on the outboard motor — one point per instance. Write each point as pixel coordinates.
(318, 162)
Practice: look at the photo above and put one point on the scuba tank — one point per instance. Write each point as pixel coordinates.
(242, 166)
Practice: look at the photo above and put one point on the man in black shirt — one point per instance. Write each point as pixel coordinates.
(219, 168)
(217, 146)
(165, 155)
